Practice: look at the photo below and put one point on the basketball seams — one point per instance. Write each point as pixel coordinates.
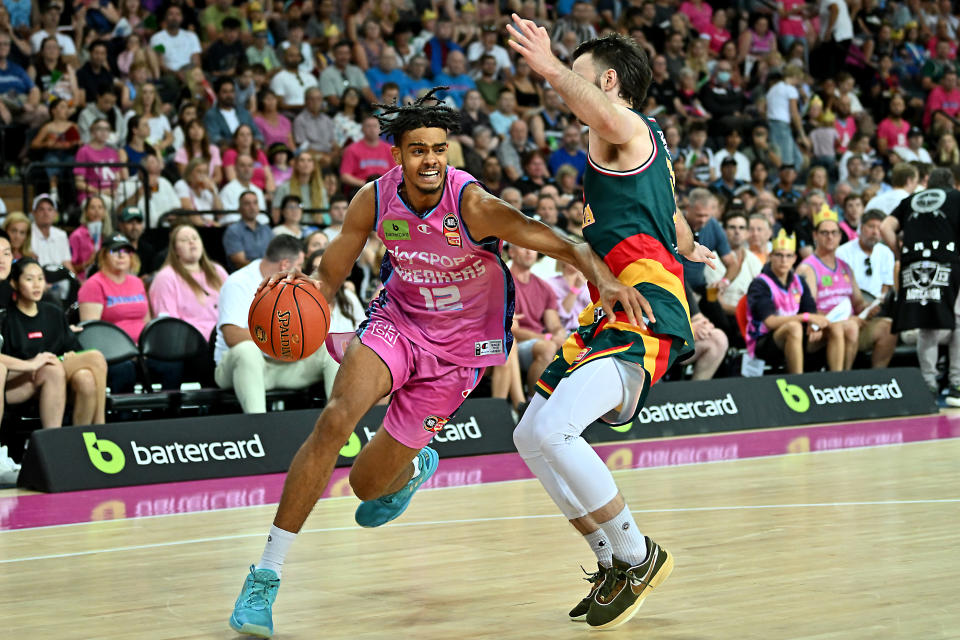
(293, 294)
(273, 315)
(320, 303)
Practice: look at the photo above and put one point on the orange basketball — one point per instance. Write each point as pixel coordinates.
(289, 321)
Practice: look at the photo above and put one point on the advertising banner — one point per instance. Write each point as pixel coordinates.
(146, 452)
(729, 404)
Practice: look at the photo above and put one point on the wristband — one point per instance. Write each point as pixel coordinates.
(576, 290)
(725, 281)
(806, 316)
(548, 336)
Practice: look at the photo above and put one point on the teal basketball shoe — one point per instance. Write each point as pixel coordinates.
(373, 513)
(253, 611)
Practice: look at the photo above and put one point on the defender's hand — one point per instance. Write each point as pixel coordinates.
(633, 303)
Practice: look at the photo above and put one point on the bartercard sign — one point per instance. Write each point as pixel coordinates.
(686, 408)
(146, 452)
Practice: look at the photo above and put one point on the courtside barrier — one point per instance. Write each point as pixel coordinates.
(147, 452)
(151, 451)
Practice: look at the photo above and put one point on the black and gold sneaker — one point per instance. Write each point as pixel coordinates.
(625, 587)
(579, 612)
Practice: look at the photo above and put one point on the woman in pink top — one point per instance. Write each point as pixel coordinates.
(197, 144)
(717, 32)
(86, 239)
(699, 13)
(244, 142)
(97, 180)
(188, 285)
(274, 126)
(114, 294)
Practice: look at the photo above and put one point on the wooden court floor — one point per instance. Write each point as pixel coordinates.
(846, 544)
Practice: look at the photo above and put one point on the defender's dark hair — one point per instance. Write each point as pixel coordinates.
(427, 111)
(627, 58)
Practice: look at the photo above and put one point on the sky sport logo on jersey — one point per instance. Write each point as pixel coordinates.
(798, 400)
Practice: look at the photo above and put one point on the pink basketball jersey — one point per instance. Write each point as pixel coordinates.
(443, 290)
(833, 285)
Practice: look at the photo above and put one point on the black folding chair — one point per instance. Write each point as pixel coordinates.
(170, 339)
(110, 340)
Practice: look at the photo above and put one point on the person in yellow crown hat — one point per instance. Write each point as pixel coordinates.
(835, 289)
(782, 319)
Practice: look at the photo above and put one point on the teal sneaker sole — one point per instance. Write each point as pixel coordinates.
(375, 513)
(255, 630)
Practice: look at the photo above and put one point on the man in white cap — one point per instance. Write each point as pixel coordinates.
(48, 242)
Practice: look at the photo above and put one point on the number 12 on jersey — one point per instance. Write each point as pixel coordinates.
(442, 298)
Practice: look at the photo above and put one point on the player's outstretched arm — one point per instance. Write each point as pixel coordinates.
(613, 123)
(343, 251)
(487, 216)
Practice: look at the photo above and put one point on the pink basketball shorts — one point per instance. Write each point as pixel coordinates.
(427, 390)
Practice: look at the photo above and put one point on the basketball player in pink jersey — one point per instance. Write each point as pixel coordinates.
(444, 314)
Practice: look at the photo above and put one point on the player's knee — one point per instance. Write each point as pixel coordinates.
(533, 434)
(524, 438)
(335, 421)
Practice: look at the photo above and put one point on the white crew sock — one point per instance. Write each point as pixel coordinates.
(601, 547)
(416, 466)
(626, 541)
(275, 551)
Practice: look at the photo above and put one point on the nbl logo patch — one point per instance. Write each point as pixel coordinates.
(451, 229)
(434, 423)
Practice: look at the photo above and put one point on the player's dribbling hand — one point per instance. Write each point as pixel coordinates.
(290, 275)
(533, 43)
(633, 303)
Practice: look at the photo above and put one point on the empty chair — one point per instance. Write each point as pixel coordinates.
(171, 340)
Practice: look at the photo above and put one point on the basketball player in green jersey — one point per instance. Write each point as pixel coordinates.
(607, 366)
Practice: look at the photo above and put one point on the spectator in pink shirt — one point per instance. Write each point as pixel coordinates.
(101, 181)
(86, 239)
(698, 12)
(716, 32)
(944, 97)
(892, 131)
(275, 127)
(369, 156)
(188, 285)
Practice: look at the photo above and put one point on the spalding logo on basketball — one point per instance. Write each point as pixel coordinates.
(289, 321)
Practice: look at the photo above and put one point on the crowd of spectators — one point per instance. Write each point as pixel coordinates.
(794, 129)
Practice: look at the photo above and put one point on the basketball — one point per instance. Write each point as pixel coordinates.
(289, 321)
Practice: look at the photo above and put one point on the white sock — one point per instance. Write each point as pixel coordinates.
(275, 551)
(601, 547)
(416, 466)
(626, 541)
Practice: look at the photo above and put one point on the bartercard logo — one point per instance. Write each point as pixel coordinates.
(671, 411)
(798, 399)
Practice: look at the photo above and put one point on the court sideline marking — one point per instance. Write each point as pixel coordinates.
(477, 520)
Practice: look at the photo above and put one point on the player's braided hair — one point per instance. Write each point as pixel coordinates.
(427, 111)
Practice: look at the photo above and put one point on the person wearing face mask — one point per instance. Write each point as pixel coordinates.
(86, 239)
(723, 100)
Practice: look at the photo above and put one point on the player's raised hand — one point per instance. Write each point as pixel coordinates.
(634, 304)
(533, 43)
